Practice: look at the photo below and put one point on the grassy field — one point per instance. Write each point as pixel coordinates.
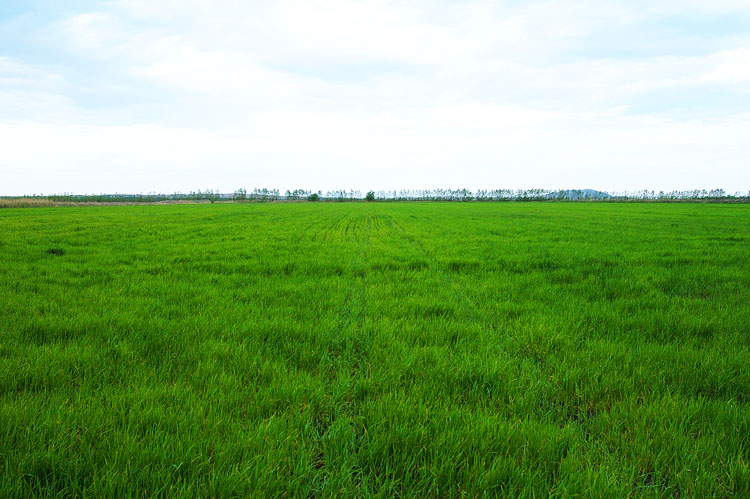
(367, 348)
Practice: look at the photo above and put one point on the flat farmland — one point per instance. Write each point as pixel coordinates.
(392, 349)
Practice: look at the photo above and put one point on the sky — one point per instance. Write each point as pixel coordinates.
(134, 96)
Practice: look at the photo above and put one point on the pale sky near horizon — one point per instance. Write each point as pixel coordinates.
(145, 96)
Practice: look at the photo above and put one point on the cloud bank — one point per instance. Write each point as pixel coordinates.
(140, 96)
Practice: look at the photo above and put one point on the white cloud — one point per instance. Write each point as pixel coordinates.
(366, 94)
(731, 66)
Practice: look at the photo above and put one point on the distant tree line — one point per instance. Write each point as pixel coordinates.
(452, 195)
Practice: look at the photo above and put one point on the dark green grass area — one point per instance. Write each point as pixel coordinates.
(375, 349)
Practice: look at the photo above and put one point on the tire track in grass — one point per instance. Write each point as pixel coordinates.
(310, 223)
(352, 310)
(327, 229)
(431, 257)
(348, 350)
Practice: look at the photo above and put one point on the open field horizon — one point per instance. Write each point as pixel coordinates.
(420, 349)
(714, 195)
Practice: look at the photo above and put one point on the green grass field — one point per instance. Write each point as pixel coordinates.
(364, 348)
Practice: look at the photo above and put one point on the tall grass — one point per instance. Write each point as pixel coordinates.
(25, 202)
(375, 349)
